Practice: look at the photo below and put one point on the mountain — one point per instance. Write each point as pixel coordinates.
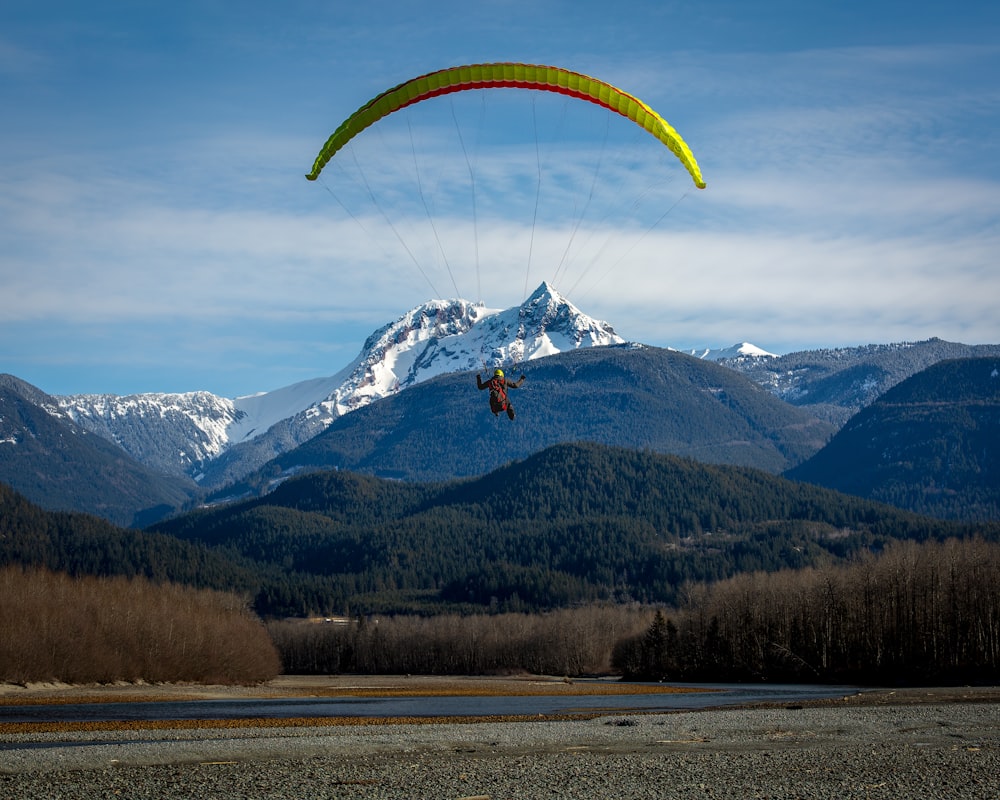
(60, 465)
(570, 524)
(834, 384)
(217, 440)
(633, 396)
(930, 444)
(737, 351)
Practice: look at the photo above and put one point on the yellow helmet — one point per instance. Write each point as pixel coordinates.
(498, 373)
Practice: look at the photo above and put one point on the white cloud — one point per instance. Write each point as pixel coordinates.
(853, 196)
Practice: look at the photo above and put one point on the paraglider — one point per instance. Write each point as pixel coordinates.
(508, 75)
(500, 75)
(498, 386)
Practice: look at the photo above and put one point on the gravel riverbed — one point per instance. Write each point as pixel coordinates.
(907, 745)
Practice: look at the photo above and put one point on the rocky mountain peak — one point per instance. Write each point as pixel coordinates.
(184, 433)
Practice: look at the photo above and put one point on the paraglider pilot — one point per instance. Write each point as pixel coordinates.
(498, 386)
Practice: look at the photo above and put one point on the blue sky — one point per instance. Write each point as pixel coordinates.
(157, 233)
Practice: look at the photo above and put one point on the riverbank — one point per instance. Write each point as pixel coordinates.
(302, 686)
(940, 743)
(293, 686)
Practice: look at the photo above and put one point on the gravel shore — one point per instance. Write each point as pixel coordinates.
(926, 744)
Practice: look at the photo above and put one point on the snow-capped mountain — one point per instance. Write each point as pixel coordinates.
(445, 336)
(183, 433)
(742, 350)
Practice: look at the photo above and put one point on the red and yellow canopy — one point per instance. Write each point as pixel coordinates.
(515, 76)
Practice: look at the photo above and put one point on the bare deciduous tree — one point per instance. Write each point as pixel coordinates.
(82, 630)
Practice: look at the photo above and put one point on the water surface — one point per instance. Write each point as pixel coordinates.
(706, 696)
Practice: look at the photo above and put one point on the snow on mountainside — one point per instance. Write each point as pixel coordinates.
(169, 432)
(836, 383)
(743, 350)
(455, 336)
(180, 433)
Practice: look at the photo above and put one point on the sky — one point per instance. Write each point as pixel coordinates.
(157, 232)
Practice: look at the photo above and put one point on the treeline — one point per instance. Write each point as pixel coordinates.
(917, 613)
(83, 630)
(569, 642)
(914, 613)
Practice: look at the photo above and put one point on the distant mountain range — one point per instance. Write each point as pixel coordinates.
(834, 384)
(153, 453)
(62, 466)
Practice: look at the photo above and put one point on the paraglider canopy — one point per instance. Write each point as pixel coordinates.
(508, 75)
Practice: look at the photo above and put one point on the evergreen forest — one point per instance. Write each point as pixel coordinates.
(556, 563)
(573, 524)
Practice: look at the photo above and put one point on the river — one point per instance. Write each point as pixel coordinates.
(704, 696)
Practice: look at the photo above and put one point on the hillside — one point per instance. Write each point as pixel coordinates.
(571, 524)
(630, 396)
(82, 544)
(931, 444)
(61, 466)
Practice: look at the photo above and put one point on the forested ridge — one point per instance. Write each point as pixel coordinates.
(80, 544)
(931, 444)
(575, 523)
